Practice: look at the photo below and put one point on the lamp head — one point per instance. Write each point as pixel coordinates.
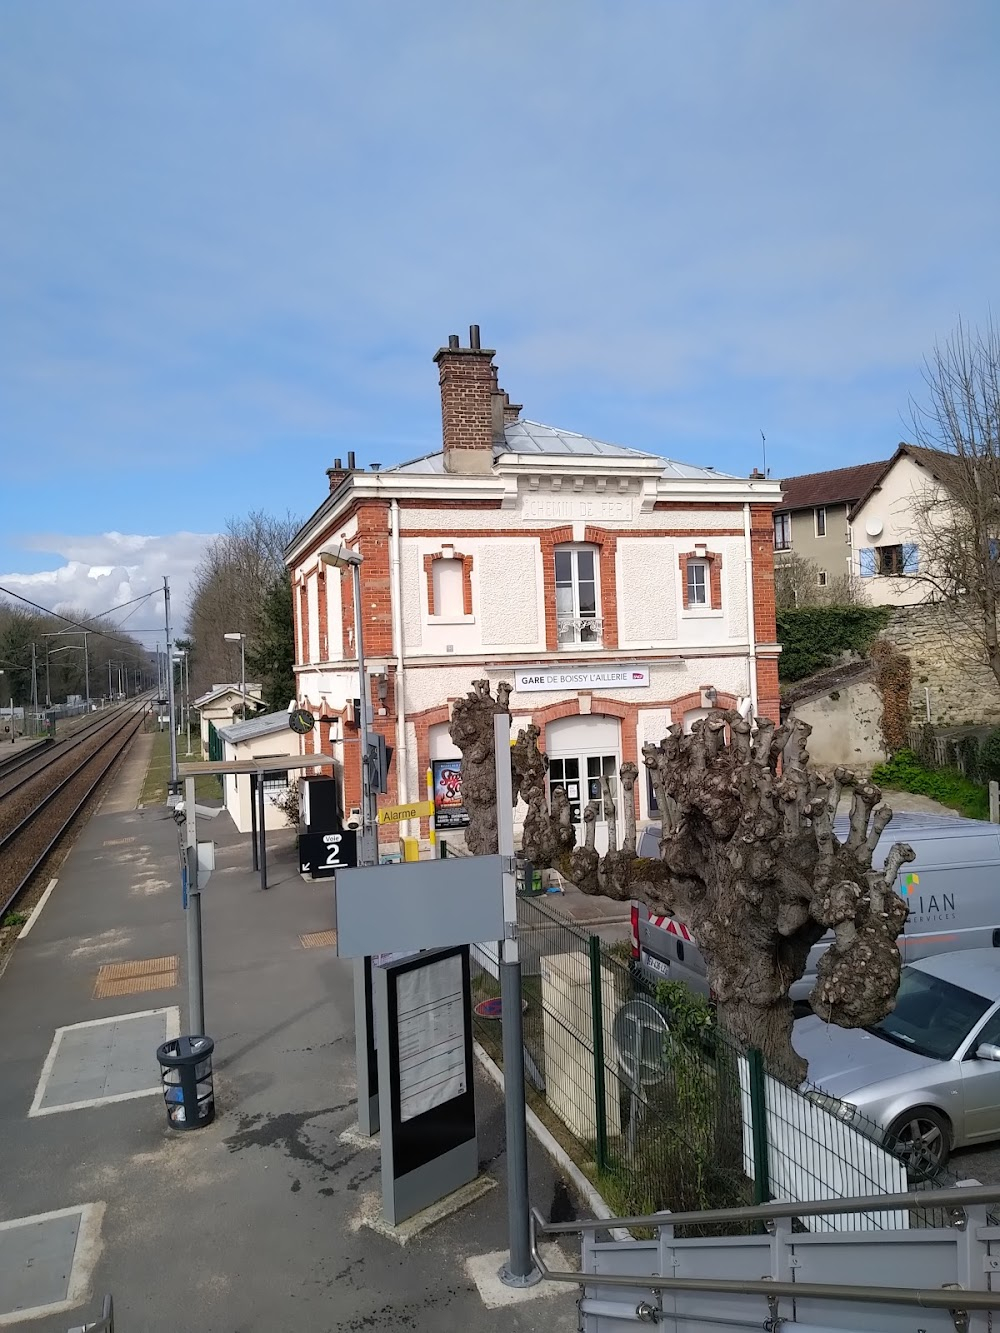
(233, 638)
(336, 553)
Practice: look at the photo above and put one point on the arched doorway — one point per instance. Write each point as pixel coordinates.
(582, 750)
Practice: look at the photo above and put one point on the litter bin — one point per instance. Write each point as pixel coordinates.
(186, 1074)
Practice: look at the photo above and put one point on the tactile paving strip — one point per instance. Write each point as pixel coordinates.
(141, 975)
(319, 939)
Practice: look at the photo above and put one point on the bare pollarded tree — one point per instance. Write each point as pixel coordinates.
(748, 861)
(956, 428)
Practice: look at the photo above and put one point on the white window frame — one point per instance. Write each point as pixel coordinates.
(785, 520)
(582, 784)
(706, 585)
(821, 579)
(820, 509)
(706, 610)
(577, 642)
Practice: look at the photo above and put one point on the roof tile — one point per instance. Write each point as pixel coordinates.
(843, 485)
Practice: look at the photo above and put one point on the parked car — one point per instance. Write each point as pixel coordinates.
(929, 1072)
(951, 889)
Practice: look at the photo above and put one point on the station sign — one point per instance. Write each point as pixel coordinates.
(620, 676)
(323, 854)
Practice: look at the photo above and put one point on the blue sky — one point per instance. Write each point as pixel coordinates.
(234, 234)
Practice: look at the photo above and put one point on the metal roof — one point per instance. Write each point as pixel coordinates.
(254, 727)
(532, 437)
(262, 764)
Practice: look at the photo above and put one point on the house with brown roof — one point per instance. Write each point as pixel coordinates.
(812, 520)
(887, 532)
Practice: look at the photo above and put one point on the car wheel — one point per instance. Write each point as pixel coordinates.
(922, 1139)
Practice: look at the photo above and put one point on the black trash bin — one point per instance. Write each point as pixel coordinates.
(186, 1074)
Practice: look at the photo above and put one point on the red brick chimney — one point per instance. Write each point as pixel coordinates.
(467, 380)
(511, 411)
(338, 472)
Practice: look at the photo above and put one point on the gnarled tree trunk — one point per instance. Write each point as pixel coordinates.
(748, 861)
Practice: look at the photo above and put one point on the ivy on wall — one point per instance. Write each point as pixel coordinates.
(892, 673)
(814, 637)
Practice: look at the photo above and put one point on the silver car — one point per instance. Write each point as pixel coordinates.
(929, 1072)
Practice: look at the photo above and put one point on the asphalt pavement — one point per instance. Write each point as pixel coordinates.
(253, 1223)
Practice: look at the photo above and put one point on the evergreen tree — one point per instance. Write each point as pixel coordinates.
(271, 657)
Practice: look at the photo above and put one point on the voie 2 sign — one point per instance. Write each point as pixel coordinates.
(621, 676)
(323, 854)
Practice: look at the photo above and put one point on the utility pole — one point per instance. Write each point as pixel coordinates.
(110, 686)
(34, 683)
(170, 685)
(86, 665)
(48, 683)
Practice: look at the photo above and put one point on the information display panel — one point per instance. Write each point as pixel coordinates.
(427, 1108)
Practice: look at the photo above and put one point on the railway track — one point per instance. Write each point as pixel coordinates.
(27, 764)
(32, 825)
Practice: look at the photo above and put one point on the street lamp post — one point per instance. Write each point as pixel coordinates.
(243, 669)
(174, 786)
(182, 658)
(343, 557)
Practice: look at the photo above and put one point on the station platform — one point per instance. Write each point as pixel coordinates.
(254, 1223)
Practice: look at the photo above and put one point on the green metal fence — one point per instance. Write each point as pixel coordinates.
(662, 1111)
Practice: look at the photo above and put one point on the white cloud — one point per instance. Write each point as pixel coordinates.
(94, 572)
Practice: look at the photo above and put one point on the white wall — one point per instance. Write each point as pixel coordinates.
(334, 616)
(846, 729)
(312, 603)
(236, 786)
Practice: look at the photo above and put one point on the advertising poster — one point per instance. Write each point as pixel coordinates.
(449, 811)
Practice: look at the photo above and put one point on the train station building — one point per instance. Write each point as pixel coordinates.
(617, 590)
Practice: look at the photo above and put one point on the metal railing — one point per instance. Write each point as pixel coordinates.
(576, 630)
(955, 1203)
(701, 1124)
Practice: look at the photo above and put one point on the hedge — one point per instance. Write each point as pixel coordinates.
(814, 637)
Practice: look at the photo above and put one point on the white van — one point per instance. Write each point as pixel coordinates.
(952, 889)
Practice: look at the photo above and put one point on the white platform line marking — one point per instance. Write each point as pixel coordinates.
(172, 1027)
(86, 1253)
(37, 910)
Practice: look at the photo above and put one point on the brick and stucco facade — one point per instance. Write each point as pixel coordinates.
(527, 554)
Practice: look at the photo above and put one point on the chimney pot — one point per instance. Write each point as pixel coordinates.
(474, 337)
(350, 460)
(336, 465)
(453, 342)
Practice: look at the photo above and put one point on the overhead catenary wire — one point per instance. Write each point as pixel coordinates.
(136, 649)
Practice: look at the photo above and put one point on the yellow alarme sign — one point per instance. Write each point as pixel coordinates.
(395, 814)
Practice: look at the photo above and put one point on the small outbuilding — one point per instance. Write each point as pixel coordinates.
(259, 739)
(223, 704)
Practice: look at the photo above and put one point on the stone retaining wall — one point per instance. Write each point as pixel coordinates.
(947, 662)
